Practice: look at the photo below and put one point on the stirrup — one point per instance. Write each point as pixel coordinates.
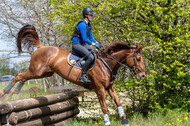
(84, 79)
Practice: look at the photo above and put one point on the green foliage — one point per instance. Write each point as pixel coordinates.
(165, 25)
(5, 68)
(161, 26)
(147, 96)
(172, 74)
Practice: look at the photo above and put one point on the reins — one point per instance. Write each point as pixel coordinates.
(121, 64)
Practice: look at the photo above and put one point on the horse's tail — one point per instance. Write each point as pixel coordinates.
(28, 37)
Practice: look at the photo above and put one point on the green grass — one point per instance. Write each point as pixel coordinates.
(170, 118)
(95, 121)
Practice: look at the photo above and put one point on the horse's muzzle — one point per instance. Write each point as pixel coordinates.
(142, 76)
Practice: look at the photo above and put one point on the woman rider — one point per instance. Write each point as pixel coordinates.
(81, 37)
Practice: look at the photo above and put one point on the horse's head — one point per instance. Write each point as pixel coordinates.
(121, 53)
(135, 61)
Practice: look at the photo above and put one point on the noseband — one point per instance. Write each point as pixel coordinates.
(135, 64)
(136, 70)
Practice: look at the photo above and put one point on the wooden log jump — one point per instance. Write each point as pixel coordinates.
(16, 117)
(50, 119)
(35, 102)
(52, 109)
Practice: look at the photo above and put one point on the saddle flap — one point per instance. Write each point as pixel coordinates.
(77, 61)
(74, 60)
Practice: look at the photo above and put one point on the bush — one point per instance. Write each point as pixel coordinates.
(155, 92)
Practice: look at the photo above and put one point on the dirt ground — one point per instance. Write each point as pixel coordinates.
(90, 106)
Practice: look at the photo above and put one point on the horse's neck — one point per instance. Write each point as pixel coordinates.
(118, 57)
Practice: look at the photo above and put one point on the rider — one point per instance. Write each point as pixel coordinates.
(81, 37)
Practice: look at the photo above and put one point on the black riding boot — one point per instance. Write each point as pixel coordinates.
(84, 75)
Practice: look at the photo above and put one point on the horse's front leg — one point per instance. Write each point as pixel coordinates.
(101, 96)
(114, 96)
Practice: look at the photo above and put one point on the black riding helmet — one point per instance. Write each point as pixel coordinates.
(87, 10)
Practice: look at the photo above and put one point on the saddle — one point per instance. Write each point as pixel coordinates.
(77, 61)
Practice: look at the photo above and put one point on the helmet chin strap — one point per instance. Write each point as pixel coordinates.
(87, 18)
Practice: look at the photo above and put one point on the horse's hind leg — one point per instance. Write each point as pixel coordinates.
(22, 77)
(114, 96)
(18, 87)
(19, 77)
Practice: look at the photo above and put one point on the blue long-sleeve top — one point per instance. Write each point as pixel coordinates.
(82, 28)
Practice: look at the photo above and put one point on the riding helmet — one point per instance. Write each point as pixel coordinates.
(87, 10)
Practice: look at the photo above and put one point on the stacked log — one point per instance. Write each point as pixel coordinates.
(57, 109)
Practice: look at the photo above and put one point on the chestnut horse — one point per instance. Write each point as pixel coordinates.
(49, 59)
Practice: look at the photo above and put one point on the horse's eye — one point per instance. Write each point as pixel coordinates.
(139, 59)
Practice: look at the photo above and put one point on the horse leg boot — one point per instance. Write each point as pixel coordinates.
(2, 93)
(114, 96)
(18, 87)
(84, 75)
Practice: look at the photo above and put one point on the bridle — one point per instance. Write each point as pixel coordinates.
(135, 64)
(136, 70)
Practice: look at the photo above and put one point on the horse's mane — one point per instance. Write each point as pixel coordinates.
(116, 47)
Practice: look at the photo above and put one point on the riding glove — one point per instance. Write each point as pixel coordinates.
(98, 45)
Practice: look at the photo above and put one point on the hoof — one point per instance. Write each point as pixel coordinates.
(16, 92)
(2, 93)
(125, 122)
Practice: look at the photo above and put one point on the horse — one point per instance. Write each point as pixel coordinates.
(47, 60)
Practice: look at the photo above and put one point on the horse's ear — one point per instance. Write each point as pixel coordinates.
(140, 49)
(137, 45)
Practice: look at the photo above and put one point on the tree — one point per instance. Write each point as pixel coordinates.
(4, 67)
(16, 14)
